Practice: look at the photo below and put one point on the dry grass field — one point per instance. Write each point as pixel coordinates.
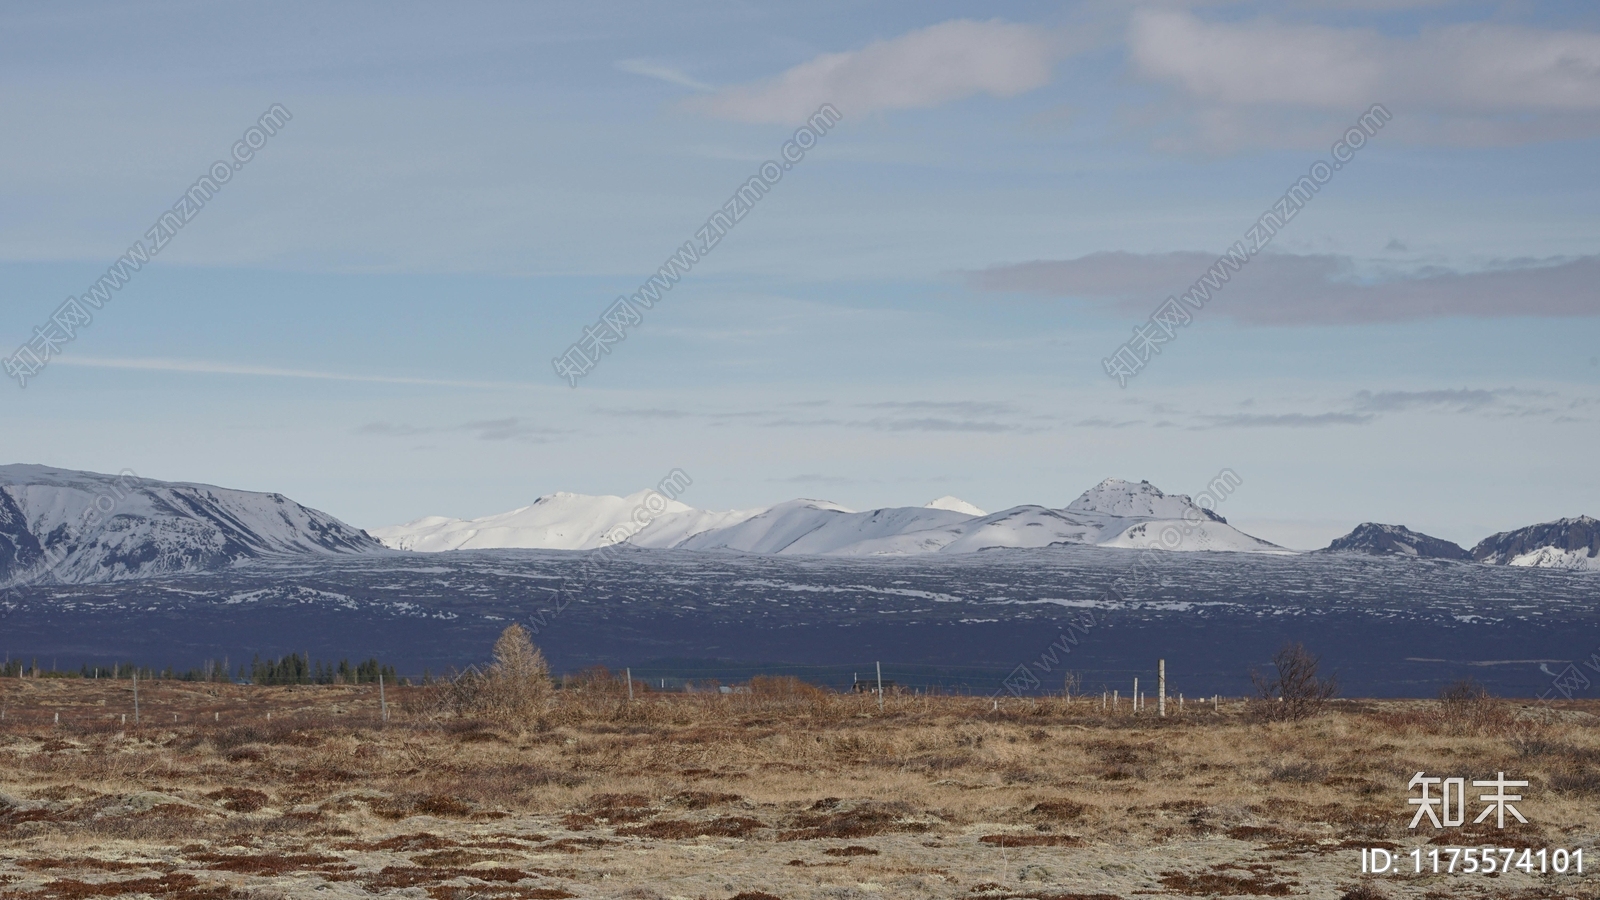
(786, 792)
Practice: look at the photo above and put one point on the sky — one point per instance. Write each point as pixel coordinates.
(365, 313)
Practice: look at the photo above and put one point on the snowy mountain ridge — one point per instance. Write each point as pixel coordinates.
(1114, 513)
(80, 527)
(63, 526)
(1562, 544)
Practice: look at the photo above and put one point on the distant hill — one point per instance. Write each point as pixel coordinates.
(1375, 539)
(1562, 544)
(72, 527)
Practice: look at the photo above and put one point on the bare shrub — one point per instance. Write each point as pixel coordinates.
(1470, 708)
(1071, 683)
(1301, 772)
(513, 692)
(1297, 691)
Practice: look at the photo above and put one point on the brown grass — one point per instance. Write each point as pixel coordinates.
(788, 791)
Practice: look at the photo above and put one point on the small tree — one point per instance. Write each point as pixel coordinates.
(520, 675)
(513, 690)
(1297, 692)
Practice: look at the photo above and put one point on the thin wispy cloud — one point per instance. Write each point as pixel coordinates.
(930, 423)
(969, 407)
(1294, 289)
(815, 479)
(646, 413)
(924, 68)
(1368, 406)
(661, 72)
(1286, 420)
(510, 428)
(394, 429)
(208, 367)
(924, 423)
(1458, 400)
(1101, 422)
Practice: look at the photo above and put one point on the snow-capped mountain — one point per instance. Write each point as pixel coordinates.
(560, 521)
(818, 528)
(954, 504)
(1128, 500)
(76, 527)
(1374, 539)
(1562, 544)
(1114, 513)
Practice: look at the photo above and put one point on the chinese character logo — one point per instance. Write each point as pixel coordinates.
(1449, 808)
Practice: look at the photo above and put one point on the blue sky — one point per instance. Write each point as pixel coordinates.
(364, 316)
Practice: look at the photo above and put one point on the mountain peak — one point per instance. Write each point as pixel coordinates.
(954, 504)
(1378, 539)
(78, 527)
(1141, 499)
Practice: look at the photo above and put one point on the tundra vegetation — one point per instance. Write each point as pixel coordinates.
(500, 784)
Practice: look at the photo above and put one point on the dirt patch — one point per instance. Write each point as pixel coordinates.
(176, 886)
(1031, 840)
(575, 845)
(992, 891)
(704, 799)
(404, 842)
(80, 862)
(445, 858)
(440, 805)
(1213, 884)
(620, 808)
(393, 877)
(684, 829)
(242, 800)
(271, 864)
(826, 819)
(1060, 810)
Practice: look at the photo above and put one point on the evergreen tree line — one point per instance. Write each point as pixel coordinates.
(299, 669)
(292, 669)
(16, 668)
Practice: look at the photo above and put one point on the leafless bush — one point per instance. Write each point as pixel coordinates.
(1297, 692)
(514, 691)
(1071, 683)
(1301, 772)
(1469, 708)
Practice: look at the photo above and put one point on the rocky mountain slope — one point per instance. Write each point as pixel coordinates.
(77, 527)
(1562, 544)
(1376, 539)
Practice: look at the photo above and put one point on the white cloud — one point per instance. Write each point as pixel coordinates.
(944, 62)
(661, 73)
(1256, 62)
(1292, 289)
(209, 367)
(1469, 83)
